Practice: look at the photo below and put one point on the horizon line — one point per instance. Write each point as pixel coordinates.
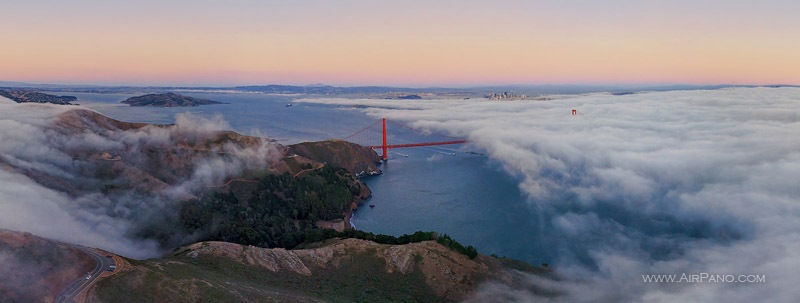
(433, 86)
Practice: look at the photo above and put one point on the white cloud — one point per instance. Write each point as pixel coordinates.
(27, 206)
(666, 182)
(34, 144)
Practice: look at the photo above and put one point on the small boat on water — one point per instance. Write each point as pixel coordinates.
(371, 205)
(289, 105)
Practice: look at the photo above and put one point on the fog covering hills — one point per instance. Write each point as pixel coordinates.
(75, 175)
(677, 182)
(80, 177)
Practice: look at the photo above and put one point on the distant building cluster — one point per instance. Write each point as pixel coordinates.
(506, 96)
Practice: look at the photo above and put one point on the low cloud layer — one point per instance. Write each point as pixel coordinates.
(68, 183)
(653, 183)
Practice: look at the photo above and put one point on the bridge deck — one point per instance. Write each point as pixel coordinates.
(419, 144)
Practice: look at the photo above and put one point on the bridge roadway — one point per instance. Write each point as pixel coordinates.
(419, 144)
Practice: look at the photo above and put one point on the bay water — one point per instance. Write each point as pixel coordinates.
(454, 189)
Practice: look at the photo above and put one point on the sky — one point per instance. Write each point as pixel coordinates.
(410, 43)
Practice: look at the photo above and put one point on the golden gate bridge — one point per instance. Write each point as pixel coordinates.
(367, 137)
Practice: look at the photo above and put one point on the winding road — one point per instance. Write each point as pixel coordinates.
(81, 284)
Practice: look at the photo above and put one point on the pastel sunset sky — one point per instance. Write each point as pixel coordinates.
(410, 42)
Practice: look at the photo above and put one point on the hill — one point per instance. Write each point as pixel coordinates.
(337, 270)
(135, 168)
(168, 100)
(35, 269)
(111, 155)
(26, 95)
(348, 270)
(352, 157)
(173, 185)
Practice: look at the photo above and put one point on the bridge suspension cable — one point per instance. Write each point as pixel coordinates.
(363, 137)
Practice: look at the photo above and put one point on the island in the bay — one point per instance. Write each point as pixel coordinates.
(30, 96)
(168, 100)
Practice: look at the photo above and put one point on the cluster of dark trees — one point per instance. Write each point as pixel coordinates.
(282, 210)
(469, 251)
(277, 214)
(317, 235)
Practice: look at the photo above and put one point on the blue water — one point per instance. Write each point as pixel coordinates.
(465, 195)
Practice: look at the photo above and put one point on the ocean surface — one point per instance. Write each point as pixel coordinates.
(453, 189)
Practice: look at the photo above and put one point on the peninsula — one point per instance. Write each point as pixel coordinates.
(168, 100)
(26, 96)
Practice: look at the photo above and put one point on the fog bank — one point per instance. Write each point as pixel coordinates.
(652, 183)
(80, 180)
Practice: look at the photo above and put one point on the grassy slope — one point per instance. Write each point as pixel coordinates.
(360, 278)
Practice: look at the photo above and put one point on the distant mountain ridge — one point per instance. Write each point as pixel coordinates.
(323, 89)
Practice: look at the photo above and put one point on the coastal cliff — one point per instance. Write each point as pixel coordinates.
(358, 160)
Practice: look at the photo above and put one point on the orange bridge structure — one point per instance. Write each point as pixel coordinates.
(364, 137)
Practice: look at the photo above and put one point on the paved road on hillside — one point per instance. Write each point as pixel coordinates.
(81, 283)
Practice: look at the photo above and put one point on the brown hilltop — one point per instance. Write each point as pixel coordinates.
(337, 270)
(156, 158)
(97, 154)
(355, 158)
(79, 120)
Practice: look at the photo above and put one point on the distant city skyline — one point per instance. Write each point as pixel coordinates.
(401, 43)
